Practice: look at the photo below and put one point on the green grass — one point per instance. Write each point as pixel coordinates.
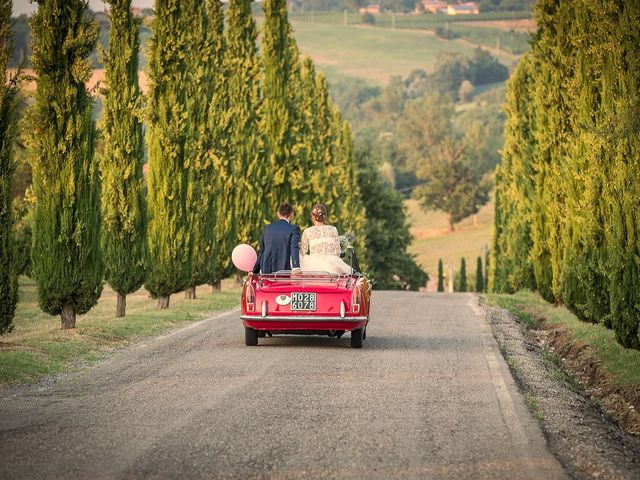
(532, 402)
(622, 363)
(371, 54)
(432, 239)
(404, 20)
(37, 347)
(513, 42)
(466, 28)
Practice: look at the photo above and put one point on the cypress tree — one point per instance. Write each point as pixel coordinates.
(462, 281)
(8, 119)
(585, 283)
(479, 276)
(67, 263)
(554, 122)
(440, 276)
(349, 204)
(168, 127)
(245, 140)
(124, 209)
(511, 268)
(619, 124)
(209, 175)
(227, 178)
(315, 112)
(279, 126)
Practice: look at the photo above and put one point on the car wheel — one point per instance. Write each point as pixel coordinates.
(250, 337)
(356, 338)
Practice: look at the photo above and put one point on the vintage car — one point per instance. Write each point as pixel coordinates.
(308, 303)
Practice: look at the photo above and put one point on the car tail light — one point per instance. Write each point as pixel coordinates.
(356, 300)
(250, 299)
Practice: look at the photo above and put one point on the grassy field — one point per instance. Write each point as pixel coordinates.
(371, 54)
(501, 30)
(432, 239)
(37, 347)
(386, 20)
(622, 363)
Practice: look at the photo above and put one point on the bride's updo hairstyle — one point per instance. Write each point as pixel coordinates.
(319, 213)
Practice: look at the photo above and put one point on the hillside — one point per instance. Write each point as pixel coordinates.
(432, 239)
(371, 54)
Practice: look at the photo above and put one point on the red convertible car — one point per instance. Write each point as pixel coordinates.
(308, 303)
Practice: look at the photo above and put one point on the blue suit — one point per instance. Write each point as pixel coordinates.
(279, 248)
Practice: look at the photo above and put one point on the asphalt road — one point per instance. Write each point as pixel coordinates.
(429, 396)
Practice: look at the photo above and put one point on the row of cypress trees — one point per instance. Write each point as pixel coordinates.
(229, 134)
(8, 112)
(567, 218)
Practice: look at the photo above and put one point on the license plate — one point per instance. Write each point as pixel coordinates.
(303, 301)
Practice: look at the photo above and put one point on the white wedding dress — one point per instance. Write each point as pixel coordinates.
(320, 250)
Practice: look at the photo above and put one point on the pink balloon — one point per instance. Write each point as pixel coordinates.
(244, 257)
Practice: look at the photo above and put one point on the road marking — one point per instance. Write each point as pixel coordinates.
(497, 372)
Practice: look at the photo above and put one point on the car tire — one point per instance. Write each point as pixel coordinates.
(364, 333)
(356, 338)
(250, 337)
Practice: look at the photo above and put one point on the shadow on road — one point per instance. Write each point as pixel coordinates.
(387, 342)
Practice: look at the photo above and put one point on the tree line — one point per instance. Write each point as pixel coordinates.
(567, 221)
(229, 133)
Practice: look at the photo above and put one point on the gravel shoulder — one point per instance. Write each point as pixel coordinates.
(580, 434)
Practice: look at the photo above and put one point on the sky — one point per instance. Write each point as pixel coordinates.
(25, 6)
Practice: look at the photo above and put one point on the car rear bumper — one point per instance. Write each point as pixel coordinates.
(303, 323)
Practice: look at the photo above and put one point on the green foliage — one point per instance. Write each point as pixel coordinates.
(9, 96)
(512, 242)
(23, 215)
(368, 19)
(343, 181)
(460, 281)
(485, 68)
(440, 276)
(168, 127)
(67, 263)
(387, 232)
(450, 183)
(210, 187)
(278, 121)
(568, 187)
(245, 140)
(124, 209)
(479, 276)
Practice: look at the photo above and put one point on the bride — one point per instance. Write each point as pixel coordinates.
(320, 246)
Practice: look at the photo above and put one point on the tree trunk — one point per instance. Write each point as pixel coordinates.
(163, 302)
(451, 229)
(216, 286)
(238, 277)
(68, 316)
(190, 292)
(121, 305)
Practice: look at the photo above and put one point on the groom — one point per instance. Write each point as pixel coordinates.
(280, 244)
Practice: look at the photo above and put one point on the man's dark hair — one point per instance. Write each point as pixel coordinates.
(285, 210)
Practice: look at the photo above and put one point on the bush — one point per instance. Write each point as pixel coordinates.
(368, 18)
(460, 280)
